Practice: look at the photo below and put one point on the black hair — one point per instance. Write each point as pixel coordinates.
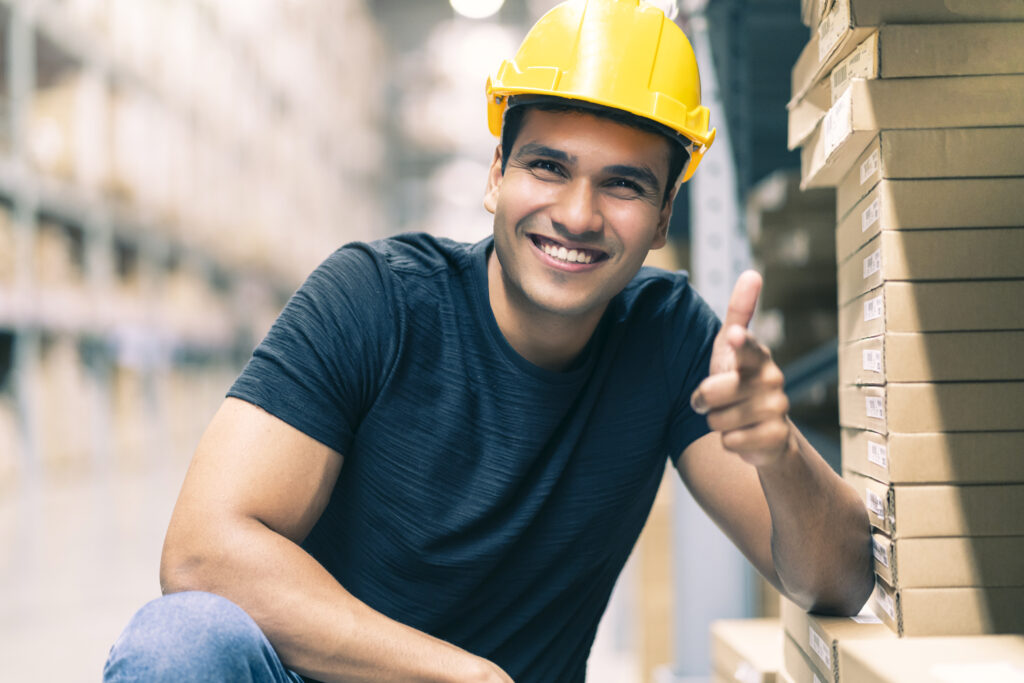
(679, 153)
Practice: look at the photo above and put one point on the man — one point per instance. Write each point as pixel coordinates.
(437, 462)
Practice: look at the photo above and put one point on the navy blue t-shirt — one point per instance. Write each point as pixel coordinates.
(482, 499)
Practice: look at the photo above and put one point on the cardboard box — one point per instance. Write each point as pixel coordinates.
(936, 458)
(747, 650)
(919, 50)
(932, 153)
(949, 562)
(819, 637)
(933, 357)
(805, 114)
(935, 660)
(798, 665)
(920, 407)
(930, 205)
(848, 22)
(949, 611)
(928, 510)
(978, 254)
(868, 106)
(932, 307)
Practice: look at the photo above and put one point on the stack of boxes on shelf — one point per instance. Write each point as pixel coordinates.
(176, 168)
(914, 112)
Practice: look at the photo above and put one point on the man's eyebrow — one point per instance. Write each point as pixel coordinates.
(641, 174)
(539, 150)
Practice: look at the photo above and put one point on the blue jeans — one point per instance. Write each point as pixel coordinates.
(192, 637)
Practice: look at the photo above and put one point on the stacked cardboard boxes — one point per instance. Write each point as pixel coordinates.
(914, 112)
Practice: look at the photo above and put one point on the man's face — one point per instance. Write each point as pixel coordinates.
(576, 211)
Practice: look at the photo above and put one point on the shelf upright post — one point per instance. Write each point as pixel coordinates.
(21, 77)
(712, 579)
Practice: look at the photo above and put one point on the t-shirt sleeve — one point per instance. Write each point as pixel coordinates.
(691, 327)
(324, 359)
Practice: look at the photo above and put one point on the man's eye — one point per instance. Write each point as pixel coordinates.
(627, 185)
(545, 165)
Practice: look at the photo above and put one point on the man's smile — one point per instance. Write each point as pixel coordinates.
(567, 254)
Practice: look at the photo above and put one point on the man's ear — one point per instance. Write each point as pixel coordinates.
(494, 177)
(664, 218)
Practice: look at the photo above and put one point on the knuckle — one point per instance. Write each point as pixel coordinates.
(773, 376)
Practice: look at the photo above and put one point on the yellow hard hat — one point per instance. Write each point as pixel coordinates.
(622, 54)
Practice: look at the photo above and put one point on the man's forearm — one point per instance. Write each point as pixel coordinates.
(317, 627)
(821, 540)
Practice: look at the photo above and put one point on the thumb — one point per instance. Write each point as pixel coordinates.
(743, 300)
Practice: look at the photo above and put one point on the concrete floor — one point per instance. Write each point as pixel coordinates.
(77, 559)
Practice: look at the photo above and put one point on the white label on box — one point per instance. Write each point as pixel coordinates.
(870, 215)
(885, 602)
(866, 618)
(875, 504)
(870, 166)
(957, 672)
(837, 125)
(879, 552)
(746, 673)
(872, 263)
(831, 29)
(819, 647)
(874, 308)
(874, 406)
(877, 453)
(873, 360)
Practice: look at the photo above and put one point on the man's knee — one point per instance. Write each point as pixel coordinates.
(188, 636)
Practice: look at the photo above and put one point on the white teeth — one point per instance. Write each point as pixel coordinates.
(570, 256)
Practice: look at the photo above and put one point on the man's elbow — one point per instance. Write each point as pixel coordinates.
(848, 591)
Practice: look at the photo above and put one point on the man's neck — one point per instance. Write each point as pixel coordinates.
(547, 340)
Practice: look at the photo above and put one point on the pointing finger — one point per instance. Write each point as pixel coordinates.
(743, 300)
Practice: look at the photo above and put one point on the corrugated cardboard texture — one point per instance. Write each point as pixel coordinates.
(915, 255)
(913, 612)
(848, 22)
(916, 50)
(931, 510)
(868, 106)
(747, 649)
(798, 665)
(932, 307)
(936, 458)
(950, 562)
(931, 204)
(818, 636)
(934, 660)
(920, 407)
(933, 357)
(932, 153)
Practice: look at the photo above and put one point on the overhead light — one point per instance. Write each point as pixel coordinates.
(477, 9)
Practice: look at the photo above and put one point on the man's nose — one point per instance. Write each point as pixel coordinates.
(577, 212)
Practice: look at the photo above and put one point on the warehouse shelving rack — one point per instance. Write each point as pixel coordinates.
(128, 251)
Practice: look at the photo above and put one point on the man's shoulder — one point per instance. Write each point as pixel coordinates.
(416, 253)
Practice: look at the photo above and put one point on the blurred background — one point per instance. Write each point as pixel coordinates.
(170, 170)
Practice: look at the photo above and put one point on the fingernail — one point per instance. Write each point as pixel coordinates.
(698, 403)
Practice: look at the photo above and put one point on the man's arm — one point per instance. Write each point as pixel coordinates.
(254, 490)
(798, 522)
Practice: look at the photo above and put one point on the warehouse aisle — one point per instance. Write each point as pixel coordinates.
(77, 558)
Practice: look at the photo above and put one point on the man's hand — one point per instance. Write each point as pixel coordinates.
(743, 395)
